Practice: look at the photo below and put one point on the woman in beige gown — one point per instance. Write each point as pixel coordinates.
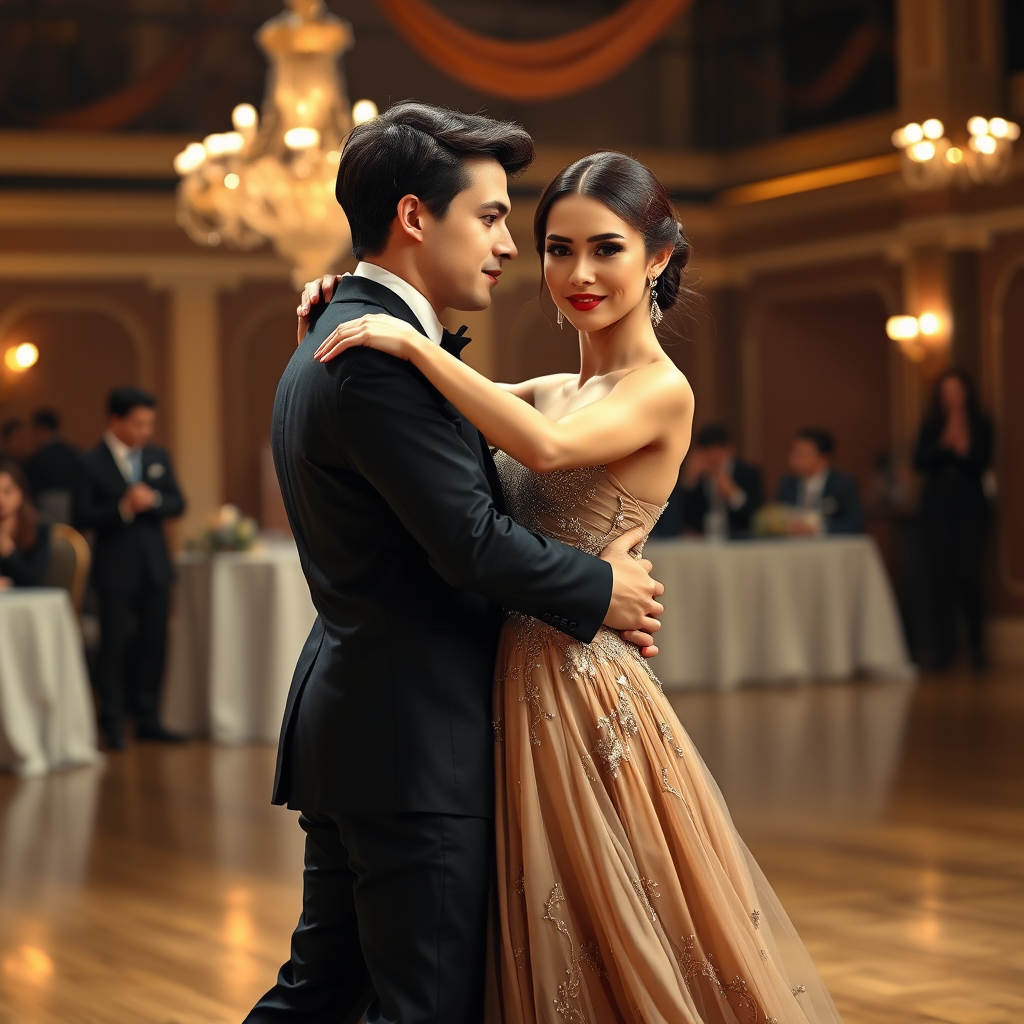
(625, 893)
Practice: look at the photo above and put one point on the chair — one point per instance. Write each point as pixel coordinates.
(69, 563)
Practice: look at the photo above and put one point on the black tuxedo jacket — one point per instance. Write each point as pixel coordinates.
(397, 512)
(687, 506)
(54, 467)
(840, 501)
(131, 554)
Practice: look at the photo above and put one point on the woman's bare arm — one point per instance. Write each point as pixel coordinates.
(642, 408)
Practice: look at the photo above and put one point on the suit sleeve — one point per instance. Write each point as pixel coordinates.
(93, 511)
(395, 432)
(849, 517)
(172, 502)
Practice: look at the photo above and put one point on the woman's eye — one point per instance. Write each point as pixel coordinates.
(557, 250)
(608, 249)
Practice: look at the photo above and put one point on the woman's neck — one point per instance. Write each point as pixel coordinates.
(623, 345)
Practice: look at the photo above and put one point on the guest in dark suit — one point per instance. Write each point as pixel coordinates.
(954, 449)
(15, 441)
(717, 493)
(54, 468)
(127, 491)
(830, 498)
(24, 541)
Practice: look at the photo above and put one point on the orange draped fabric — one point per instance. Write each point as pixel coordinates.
(538, 70)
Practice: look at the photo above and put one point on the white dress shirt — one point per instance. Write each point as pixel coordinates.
(715, 500)
(123, 456)
(811, 490)
(415, 300)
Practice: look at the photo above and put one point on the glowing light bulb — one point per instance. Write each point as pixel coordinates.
(899, 139)
(1012, 131)
(301, 138)
(977, 126)
(933, 128)
(244, 116)
(20, 357)
(913, 132)
(902, 328)
(983, 144)
(190, 158)
(954, 155)
(231, 180)
(363, 111)
(922, 151)
(999, 127)
(929, 324)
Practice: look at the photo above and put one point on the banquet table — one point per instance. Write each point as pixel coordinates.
(775, 611)
(46, 711)
(242, 618)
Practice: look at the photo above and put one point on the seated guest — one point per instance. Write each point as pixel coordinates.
(718, 492)
(829, 497)
(53, 469)
(126, 492)
(15, 442)
(24, 541)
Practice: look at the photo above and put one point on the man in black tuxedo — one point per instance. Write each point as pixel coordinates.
(717, 493)
(387, 744)
(829, 498)
(54, 468)
(127, 490)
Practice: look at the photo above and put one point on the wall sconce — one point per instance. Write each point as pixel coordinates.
(930, 160)
(19, 358)
(917, 336)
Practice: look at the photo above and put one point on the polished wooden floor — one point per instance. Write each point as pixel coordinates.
(162, 888)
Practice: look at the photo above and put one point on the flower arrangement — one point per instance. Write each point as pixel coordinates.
(227, 530)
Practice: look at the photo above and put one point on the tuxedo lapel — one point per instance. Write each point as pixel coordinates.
(111, 471)
(363, 290)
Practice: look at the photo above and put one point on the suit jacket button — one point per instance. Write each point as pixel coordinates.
(546, 616)
(572, 625)
(564, 623)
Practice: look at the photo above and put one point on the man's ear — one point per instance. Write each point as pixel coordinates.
(409, 217)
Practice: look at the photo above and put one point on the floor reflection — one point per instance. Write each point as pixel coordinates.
(808, 752)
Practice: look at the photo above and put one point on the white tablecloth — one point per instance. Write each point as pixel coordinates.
(241, 622)
(776, 610)
(46, 711)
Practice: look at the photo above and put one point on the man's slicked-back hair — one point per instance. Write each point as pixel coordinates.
(417, 149)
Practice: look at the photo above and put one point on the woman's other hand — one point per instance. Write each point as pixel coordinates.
(315, 293)
(374, 330)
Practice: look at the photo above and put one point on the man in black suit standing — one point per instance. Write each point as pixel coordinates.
(127, 490)
(829, 499)
(717, 494)
(387, 745)
(54, 469)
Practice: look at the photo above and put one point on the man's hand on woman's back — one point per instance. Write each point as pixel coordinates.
(634, 610)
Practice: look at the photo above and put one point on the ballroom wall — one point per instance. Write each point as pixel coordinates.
(804, 241)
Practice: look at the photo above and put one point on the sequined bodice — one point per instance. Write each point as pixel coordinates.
(587, 508)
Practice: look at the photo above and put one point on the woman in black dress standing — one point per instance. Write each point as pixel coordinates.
(954, 449)
(24, 541)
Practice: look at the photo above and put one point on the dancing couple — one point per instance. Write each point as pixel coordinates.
(505, 820)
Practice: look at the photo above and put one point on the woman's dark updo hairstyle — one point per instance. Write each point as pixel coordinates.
(632, 192)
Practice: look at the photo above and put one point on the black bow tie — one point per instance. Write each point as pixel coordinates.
(453, 344)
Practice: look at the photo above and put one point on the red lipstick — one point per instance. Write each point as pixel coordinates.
(584, 302)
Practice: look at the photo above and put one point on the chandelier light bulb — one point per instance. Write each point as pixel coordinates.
(912, 133)
(929, 324)
(244, 116)
(231, 180)
(983, 144)
(899, 138)
(977, 126)
(363, 111)
(998, 127)
(1012, 131)
(933, 128)
(21, 357)
(902, 328)
(922, 151)
(223, 143)
(301, 138)
(190, 158)
(954, 155)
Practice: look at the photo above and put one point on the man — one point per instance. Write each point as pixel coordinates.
(126, 493)
(827, 498)
(53, 470)
(717, 493)
(387, 745)
(15, 441)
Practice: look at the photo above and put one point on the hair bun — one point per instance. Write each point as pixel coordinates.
(670, 282)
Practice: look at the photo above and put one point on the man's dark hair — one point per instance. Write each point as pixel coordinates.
(10, 428)
(122, 400)
(713, 435)
(46, 419)
(416, 149)
(821, 439)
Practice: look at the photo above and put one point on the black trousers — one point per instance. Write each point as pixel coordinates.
(954, 537)
(394, 922)
(121, 688)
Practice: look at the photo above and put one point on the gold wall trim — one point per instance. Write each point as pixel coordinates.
(807, 181)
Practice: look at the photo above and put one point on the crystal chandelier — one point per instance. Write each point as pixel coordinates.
(930, 160)
(273, 176)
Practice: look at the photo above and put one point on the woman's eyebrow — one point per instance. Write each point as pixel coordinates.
(605, 237)
(558, 238)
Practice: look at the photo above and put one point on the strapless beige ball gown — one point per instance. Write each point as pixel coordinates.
(624, 891)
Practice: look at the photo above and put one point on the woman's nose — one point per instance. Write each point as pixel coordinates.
(581, 273)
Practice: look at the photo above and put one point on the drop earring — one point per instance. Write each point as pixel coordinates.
(656, 313)
(559, 319)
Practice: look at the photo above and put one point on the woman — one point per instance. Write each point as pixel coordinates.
(625, 893)
(954, 449)
(24, 541)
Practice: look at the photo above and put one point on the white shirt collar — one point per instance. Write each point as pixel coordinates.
(415, 300)
(814, 486)
(121, 452)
